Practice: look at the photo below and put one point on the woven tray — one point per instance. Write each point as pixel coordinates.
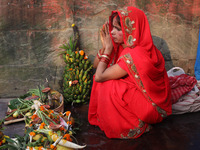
(58, 109)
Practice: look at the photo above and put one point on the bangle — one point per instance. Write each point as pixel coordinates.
(99, 54)
(105, 56)
(105, 60)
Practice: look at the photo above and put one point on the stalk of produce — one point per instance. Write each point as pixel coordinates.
(77, 73)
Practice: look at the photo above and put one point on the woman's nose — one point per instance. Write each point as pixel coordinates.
(112, 32)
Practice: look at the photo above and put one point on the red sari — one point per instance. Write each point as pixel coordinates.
(124, 108)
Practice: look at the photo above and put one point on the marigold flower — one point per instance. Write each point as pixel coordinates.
(43, 124)
(41, 127)
(53, 147)
(62, 128)
(81, 52)
(69, 122)
(68, 113)
(33, 117)
(41, 108)
(70, 69)
(67, 136)
(76, 52)
(40, 148)
(73, 25)
(32, 133)
(86, 57)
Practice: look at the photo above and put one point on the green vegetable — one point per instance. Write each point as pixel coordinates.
(16, 114)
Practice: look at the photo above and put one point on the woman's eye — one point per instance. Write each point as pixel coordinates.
(118, 29)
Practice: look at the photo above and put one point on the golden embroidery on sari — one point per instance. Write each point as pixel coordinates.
(125, 11)
(141, 123)
(141, 84)
(133, 70)
(129, 23)
(128, 26)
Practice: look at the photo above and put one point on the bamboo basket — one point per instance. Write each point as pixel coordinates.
(61, 107)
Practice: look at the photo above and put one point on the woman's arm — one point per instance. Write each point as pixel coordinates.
(96, 60)
(114, 72)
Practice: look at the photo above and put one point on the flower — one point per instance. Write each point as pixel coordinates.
(73, 25)
(40, 148)
(69, 122)
(34, 116)
(53, 147)
(86, 57)
(51, 112)
(41, 127)
(32, 133)
(62, 128)
(41, 108)
(67, 137)
(81, 52)
(67, 113)
(43, 124)
(76, 52)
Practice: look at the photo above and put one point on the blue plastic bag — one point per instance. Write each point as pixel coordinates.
(197, 63)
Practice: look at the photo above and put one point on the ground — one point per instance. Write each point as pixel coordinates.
(176, 132)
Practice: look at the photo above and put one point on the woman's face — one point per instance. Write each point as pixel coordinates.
(116, 32)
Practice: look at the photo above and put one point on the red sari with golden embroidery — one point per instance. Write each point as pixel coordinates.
(124, 108)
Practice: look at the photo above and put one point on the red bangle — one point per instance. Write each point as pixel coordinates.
(105, 60)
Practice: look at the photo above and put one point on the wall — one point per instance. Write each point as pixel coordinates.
(31, 32)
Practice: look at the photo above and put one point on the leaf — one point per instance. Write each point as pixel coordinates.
(9, 140)
(60, 53)
(64, 46)
(14, 103)
(8, 146)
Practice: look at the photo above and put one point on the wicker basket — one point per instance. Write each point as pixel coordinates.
(61, 107)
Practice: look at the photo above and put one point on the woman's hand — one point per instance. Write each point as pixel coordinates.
(106, 39)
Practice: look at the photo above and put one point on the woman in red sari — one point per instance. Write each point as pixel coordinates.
(131, 88)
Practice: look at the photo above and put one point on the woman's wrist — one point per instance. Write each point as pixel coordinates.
(105, 59)
(107, 52)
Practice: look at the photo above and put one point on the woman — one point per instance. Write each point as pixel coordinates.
(131, 87)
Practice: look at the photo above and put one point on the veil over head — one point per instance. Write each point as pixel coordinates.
(142, 58)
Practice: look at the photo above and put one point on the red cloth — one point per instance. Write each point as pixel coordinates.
(124, 108)
(181, 85)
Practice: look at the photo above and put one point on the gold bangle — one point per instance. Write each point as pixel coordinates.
(99, 55)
